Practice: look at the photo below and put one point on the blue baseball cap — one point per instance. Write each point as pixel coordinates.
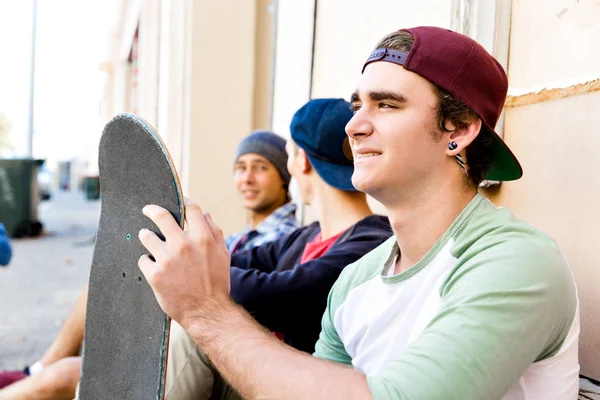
(319, 128)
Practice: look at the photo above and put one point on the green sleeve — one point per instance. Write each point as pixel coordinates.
(501, 310)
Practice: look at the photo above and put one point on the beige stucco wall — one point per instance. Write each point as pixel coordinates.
(553, 41)
(214, 88)
(149, 52)
(557, 142)
(117, 92)
(346, 32)
(221, 94)
(172, 90)
(204, 82)
(264, 69)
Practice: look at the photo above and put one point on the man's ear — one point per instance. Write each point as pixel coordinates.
(463, 137)
(305, 165)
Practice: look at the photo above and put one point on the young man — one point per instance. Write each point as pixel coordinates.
(262, 180)
(465, 302)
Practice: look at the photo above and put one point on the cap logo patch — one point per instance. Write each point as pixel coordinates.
(390, 55)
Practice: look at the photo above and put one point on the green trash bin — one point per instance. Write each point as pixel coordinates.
(19, 196)
(91, 187)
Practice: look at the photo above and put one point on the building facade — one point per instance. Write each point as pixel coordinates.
(206, 73)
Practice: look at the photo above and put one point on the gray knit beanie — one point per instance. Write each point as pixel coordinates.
(269, 145)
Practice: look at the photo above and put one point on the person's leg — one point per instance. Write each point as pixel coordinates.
(56, 382)
(66, 344)
(189, 372)
(69, 339)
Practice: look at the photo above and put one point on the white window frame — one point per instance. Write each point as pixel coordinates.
(487, 22)
(292, 82)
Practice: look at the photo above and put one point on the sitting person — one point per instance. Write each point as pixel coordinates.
(285, 283)
(262, 180)
(464, 302)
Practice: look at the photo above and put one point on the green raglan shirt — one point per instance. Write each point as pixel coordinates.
(490, 312)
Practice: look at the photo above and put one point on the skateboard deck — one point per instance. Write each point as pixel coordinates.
(126, 332)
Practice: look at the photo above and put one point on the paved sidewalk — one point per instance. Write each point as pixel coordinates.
(45, 276)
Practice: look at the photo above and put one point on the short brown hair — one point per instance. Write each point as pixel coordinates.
(479, 153)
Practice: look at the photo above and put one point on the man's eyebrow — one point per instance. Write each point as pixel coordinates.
(387, 95)
(379, 95)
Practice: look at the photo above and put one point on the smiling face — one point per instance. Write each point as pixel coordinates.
(259, 183)
(395, 140)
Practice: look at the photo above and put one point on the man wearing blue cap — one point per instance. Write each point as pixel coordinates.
(464, 302)
(284, 284)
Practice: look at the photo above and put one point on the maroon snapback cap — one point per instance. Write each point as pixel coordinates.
(462, 67)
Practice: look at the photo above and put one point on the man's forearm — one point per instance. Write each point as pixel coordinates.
(260, 366)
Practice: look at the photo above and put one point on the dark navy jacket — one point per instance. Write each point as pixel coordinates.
(288, 297)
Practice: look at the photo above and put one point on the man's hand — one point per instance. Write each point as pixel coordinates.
(190, 271)
(191, 281)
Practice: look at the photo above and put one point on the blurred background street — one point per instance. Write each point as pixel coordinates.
(45, 277)
(51, 120)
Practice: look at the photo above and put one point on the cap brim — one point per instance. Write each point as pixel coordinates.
(505, 166)
(338, 176)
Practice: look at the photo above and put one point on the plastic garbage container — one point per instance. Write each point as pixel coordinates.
(19, 196)
(91, 187)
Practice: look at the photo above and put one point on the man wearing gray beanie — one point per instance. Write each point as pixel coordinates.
(269, 145)
(262, 179)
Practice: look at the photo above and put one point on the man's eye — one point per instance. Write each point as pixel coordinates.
(355, 107)
(386, 105)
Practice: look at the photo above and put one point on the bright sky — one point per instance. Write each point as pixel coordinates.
(71, 43)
